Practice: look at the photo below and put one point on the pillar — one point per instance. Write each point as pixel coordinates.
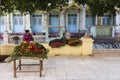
(94, 31)
(82, 18)
(43, 23)
(27, 22)
(46, 19)
(6, 37)
(66, 21)
(11, 22)
(62, 24)
(87, 45)
(78, 21)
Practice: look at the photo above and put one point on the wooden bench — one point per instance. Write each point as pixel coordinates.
(18, 68)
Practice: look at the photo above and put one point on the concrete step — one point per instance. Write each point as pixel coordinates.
(106, 52)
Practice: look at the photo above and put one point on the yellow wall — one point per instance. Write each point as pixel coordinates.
(6, 49)
(84, 49)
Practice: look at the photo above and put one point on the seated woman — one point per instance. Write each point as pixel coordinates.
(27, 36)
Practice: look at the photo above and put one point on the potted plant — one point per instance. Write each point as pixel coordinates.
(15, 39)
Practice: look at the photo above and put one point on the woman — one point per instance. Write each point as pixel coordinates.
(27, 36)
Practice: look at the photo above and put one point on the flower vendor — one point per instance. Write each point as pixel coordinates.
(27, 36)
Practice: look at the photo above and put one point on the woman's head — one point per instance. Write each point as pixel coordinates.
(27, 31)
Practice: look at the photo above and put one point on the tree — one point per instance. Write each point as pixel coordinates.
(7, 6)
(100, 7)
(29, 6)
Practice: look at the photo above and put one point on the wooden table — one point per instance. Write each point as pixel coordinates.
(18, 69)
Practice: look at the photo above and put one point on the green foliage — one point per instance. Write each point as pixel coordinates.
(97, 7)
(29, 6)
(7, 5)
(30, 49)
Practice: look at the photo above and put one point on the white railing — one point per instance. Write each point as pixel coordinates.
(37, 38)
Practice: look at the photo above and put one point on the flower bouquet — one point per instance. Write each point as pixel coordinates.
(74, 42)
(56, 43)
(63, 41)
(29, 49)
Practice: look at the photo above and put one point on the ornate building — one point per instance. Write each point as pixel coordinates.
(54, 23)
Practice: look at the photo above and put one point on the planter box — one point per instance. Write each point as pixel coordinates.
(84, 49)
(64, 50)
(6, 49)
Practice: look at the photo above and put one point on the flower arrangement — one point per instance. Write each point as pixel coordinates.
(29, 49)
(61, 42)
(74, 42)
(56, 43)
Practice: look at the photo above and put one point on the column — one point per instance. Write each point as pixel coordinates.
(117, 18)
(11, 25)
(27, 22)
(24, 21)
(82, 18)
(102, 21)
(113, 31)
(62, 18)
(62, 25)
(117, 28)
(78, 21)
(5, 34)
(66, 21)
(87, 46)
(96, 20)
(46, 19)
(43, 23)
(7, 22)
(99, 20)
(6, 37)
(94, 31)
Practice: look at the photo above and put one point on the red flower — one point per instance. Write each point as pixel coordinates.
(56, 44)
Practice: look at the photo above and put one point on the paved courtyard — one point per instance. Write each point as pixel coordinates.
(68, 67)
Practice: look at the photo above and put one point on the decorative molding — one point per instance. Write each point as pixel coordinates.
(75, 5)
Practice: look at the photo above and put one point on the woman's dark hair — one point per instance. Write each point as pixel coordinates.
(26, 31)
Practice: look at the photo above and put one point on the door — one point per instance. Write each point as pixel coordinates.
(37, 23)
(72, 23)
(54, 21)
(18, 23)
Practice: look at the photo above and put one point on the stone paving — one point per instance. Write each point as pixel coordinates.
(68, 67)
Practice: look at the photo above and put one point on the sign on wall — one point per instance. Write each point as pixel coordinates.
(104, 31)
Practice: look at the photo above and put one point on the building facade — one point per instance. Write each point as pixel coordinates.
(54, 23)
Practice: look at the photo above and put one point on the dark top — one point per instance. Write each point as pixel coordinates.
(28, 37)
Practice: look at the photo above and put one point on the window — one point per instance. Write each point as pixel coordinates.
(106, 20)
(90, 21)
(37, 23)
(72, 19)
(18, 19)
(55, 29)
(53, 20)
(1, 20)
(18, 26)
(37, 19)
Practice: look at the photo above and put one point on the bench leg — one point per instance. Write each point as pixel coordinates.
(19, 64)
(14, 65)
(41, 67)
